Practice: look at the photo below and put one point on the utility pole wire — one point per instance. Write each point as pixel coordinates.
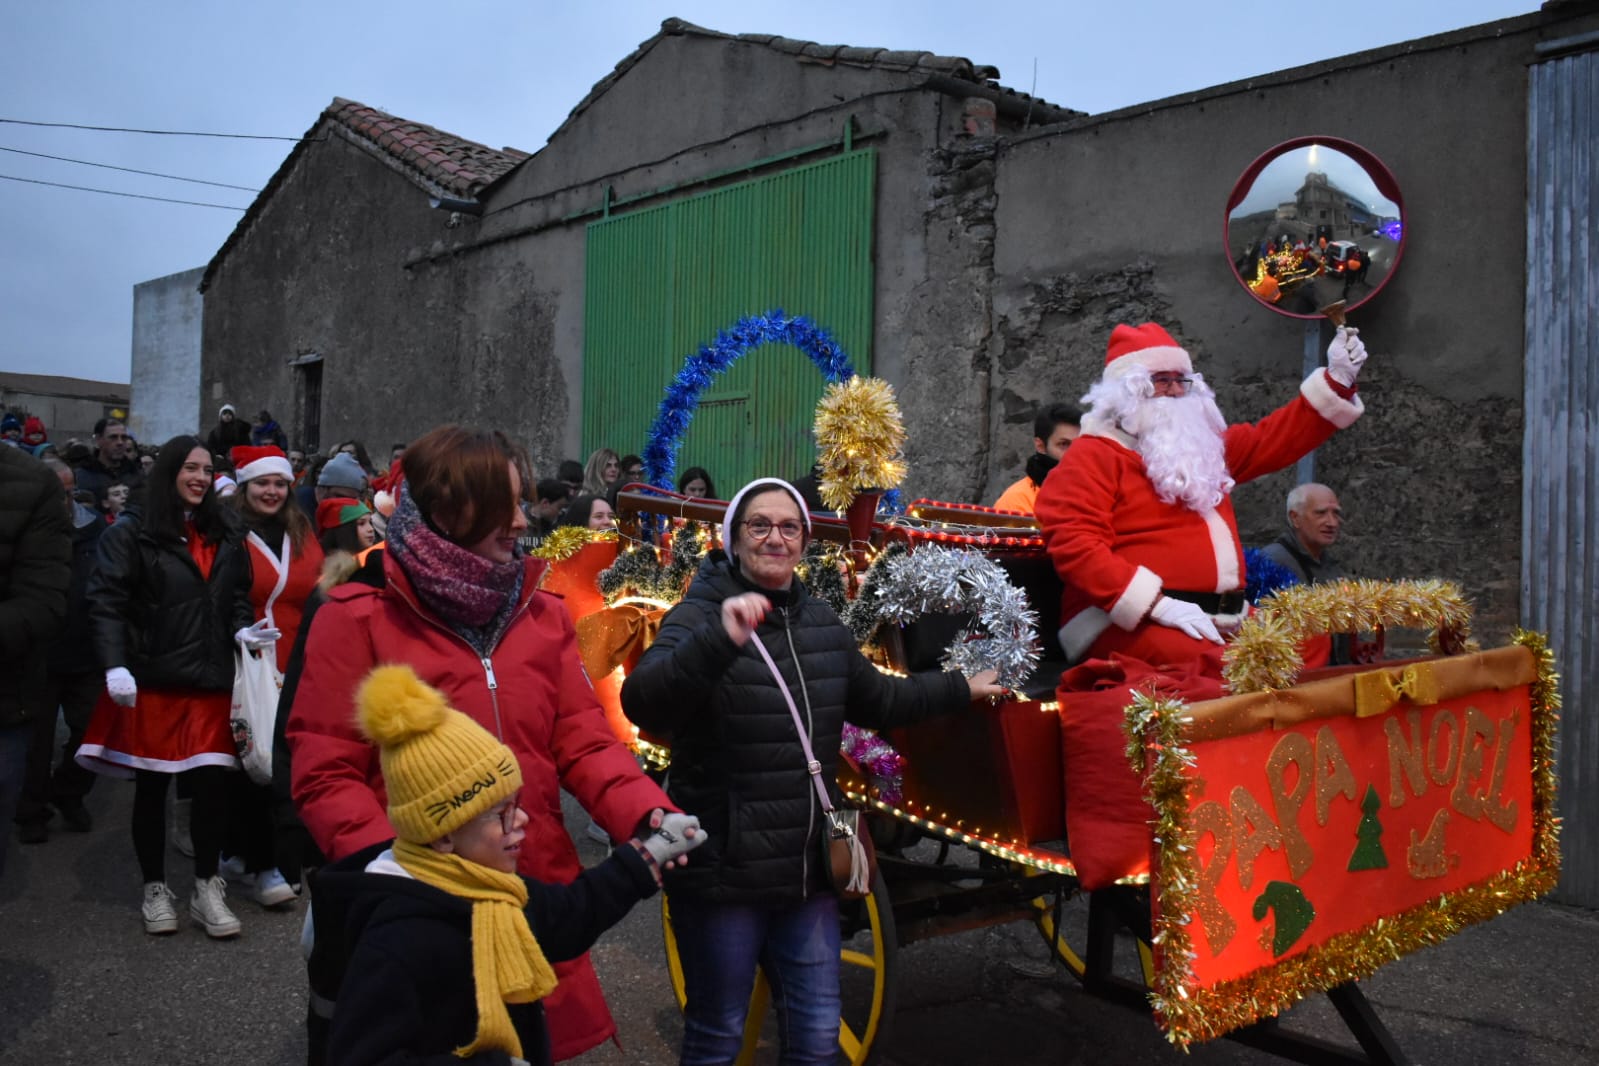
(158, 133)
(113, 192)
(130, 170)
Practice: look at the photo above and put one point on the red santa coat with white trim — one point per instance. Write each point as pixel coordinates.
(1116, 546)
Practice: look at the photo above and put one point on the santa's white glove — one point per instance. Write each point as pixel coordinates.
(678, 834)
(257, 636)
(119, 684)
(1345, 356)
(1188, 617)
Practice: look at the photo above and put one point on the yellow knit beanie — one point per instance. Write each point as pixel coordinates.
(440, 768)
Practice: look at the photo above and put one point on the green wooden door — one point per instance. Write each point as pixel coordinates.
(661, 282)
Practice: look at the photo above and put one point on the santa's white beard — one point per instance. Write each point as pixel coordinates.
(1180, 439)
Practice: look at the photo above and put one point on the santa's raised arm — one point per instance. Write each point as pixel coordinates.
(1138, 515)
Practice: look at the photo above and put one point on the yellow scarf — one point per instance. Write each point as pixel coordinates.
(508, 965)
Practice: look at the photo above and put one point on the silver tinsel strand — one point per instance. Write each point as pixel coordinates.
(1003, 635)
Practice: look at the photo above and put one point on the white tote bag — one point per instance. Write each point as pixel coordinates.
(256, 684)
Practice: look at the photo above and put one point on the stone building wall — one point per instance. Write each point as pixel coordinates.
(1119, 218)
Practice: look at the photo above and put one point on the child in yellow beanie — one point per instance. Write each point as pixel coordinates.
(449, 949)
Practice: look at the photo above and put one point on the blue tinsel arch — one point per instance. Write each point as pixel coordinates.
(702, 368)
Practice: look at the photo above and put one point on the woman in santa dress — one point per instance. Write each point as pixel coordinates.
(171, 589)
(285, 562)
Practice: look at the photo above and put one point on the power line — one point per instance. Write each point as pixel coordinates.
(129, 170)
(158, 133)
(113, 192)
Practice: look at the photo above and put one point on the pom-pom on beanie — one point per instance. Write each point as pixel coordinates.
(440, 768)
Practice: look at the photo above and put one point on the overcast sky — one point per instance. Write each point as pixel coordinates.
(500, 73)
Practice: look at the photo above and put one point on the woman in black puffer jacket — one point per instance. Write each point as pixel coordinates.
(169, 596)
(755, 893)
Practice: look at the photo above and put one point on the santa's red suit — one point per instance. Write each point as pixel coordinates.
(1118, 547)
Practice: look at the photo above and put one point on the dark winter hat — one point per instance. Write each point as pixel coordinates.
(341, 472)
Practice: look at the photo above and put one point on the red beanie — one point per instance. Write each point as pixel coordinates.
(1147, 347)
(33, 431)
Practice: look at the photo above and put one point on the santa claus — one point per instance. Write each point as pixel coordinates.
(1138, 516)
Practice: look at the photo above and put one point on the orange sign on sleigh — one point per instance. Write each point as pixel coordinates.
(1305, 836)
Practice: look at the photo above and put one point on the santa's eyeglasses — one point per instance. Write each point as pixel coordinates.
(1170, 381)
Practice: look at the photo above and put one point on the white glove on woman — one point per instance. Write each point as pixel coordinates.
(1188, 617)
(678, 834)
(1345, 356)
(257, 636)
(119, 684)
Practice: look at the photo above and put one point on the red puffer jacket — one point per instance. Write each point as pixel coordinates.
(531, 692)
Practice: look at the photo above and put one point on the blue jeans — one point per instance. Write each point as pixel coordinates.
(797, 945)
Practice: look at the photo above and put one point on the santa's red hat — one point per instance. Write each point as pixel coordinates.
(252, 462)
(1148, 348)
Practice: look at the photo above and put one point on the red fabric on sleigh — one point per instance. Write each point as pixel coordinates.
(1107, 816)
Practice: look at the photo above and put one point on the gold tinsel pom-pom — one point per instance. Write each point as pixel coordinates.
(859, 435)
(567, 541)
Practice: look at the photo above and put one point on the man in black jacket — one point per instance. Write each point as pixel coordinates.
(73, 681)
(114, 460)
(34, 572)
(229, 433)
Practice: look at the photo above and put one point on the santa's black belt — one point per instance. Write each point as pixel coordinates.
(1211, 602)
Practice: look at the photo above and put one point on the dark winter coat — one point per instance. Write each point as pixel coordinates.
(152, 612)
(35, 553)
(226, 436)
(72, 652)
(269, 433)
(407, 993)
(737, 762)
(96, 479)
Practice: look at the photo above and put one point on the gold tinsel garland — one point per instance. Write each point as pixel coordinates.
(1155, 726)
(859, 435)
(567, 541)
(1265, 653)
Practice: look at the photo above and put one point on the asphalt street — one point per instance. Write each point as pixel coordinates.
(80, 982)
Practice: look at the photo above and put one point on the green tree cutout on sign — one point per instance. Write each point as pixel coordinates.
(1368, 853)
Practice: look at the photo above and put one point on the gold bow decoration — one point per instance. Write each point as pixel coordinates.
(616, 636)
(1378, 690)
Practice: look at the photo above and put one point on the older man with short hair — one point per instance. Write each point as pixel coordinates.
(1314, 521)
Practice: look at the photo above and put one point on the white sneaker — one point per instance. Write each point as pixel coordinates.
(208, 906)
(180, 827)
(159, 910)
(271, 890)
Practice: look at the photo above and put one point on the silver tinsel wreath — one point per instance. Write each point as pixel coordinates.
(1003, 634)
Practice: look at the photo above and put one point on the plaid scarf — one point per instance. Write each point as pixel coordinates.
(474, 596)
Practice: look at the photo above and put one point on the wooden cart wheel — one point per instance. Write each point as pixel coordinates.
(866, 973)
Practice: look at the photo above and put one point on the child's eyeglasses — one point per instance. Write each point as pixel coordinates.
(506, 812)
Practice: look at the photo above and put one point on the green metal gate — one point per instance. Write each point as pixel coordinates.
(662, 281)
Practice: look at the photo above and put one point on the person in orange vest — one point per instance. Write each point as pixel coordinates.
(1053, 432)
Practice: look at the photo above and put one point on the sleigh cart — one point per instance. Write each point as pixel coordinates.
(1284, 838)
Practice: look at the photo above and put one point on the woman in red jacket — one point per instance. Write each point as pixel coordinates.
(285, 563)
(461, 606)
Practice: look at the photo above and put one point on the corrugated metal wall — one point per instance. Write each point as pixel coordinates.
(661, 282)
(1560, 484)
